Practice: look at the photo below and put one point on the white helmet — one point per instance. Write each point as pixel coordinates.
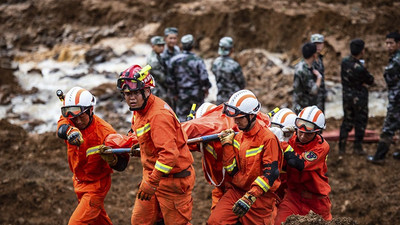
(205, 107)
(242, 103)
(77, 101)
(310, 119)
(284, 117)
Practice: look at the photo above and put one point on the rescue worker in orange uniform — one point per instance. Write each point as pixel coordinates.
(82, 130)
(253, 159)
(168, 174)
(282, 125)
(307, 182)
(213, 122)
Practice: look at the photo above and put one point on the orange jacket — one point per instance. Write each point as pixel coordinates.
(162, 140)
(93, 167)
(254, 160)
(313, 177)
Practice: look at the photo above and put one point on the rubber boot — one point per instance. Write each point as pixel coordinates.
(342, 147)
(396, 155)
(358, 150)
(379, 156)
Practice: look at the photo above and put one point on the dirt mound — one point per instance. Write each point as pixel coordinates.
(314, 219)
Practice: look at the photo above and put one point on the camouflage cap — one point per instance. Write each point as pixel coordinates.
(170, 30)
(187, 39)
(225, 46)
(317, 38)
(157, 40)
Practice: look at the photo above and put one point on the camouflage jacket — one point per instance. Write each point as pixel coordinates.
(166, 55)
(354, 76)
(159, 71)
(318, 64)
(392, 77)
(305, 89)
(188, 71)
(228, 75)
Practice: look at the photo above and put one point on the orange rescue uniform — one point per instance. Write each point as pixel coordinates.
(254, 162)
(308, 189)
(163, 147)
(91, 175)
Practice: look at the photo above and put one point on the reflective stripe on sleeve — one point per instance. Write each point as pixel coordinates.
(162, 167)
(262, 184)
(142, 130)
(236, 144)
(231, 167)
(211, 150)
(289, 149)
(254, 151)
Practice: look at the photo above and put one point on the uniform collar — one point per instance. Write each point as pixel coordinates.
(150, 101)
(316, 139)
(253, 130)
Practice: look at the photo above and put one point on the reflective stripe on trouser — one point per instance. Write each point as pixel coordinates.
(294, 204)
(173, 199)
(263, 211)
(90, 209)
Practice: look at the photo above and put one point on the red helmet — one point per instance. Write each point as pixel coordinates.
(135, 78)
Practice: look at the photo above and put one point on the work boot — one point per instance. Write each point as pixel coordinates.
(373, 160)
(342, 147)
(382, 149)
(396, 155)
(358, 150)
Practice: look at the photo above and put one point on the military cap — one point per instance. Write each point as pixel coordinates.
(225, 45)
(170, 30)
(187, 39)
(157, 40)
(317, 38)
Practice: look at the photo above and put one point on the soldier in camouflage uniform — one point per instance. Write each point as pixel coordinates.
(318, 40)
(355, 96)
(307, 80)
(228, 73)
(190, 76)
(392, 121)
(171, 49)
(171, 44)
(158, 67)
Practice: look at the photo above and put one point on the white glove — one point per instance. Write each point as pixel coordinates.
(278, 133)
(288, 132)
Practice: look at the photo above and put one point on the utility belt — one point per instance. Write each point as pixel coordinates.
(182, 174)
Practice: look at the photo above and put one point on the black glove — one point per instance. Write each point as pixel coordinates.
(242, 206)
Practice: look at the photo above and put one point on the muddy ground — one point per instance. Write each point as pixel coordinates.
(35, 181)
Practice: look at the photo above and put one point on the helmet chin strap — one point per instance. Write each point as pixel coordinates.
(144, 103)
(90, 113)
(249, 122)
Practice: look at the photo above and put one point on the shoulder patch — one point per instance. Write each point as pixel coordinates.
(310, 156)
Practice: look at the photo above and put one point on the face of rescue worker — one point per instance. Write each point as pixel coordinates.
(242, 122)
(81, 121)
(171, 40)
(320, 46)
(158, 48)
(135, 99)
(305, 137)
(391, 45)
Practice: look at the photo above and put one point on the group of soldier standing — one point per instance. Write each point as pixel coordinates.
(309, 89)
(182, 77)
